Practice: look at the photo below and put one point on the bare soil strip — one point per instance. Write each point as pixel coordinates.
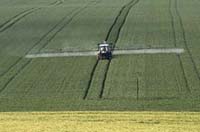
(116, 52)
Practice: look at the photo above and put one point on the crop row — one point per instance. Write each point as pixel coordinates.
(87, 29)
(27, 34)
(100, 69)
(16, 10)
(132, 82)
(156, 76)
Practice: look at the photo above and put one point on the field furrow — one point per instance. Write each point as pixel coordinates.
(90, 81)
(43, 39)
(83, 33)
(112, 37)
(114, 31)
(152, 76)
(63, 25)
(17, 18)
(155, 64)
(147, 26)
(10, 10)
(15, 61)
(20, 3)
(9, 23)
(187, 62)
(33, 89)
(96, 85)
(185, 40)
(141, 72)
(174, 32)
(11, 75)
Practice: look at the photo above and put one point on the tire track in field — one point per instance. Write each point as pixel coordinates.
(109, 38)
(104, 79)
(65, 24)
(112, 36)
(138, 88)
(13, 20)
(115, 29)
(59, 2)
(90, 80)
(37, 43)
(175, 44)
(185, 40)
(16, 19)
(15, 75)
(184, 74)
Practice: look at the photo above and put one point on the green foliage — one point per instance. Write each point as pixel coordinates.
(133, 82)
(87, 29)
(97, 80)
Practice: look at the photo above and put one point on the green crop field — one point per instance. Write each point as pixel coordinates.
(135, 82)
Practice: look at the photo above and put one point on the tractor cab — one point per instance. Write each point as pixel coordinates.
(104, 51)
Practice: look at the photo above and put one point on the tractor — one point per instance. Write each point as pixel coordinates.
(104, 51)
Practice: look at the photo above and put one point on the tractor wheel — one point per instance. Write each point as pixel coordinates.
(98, 57)
(110, 57)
